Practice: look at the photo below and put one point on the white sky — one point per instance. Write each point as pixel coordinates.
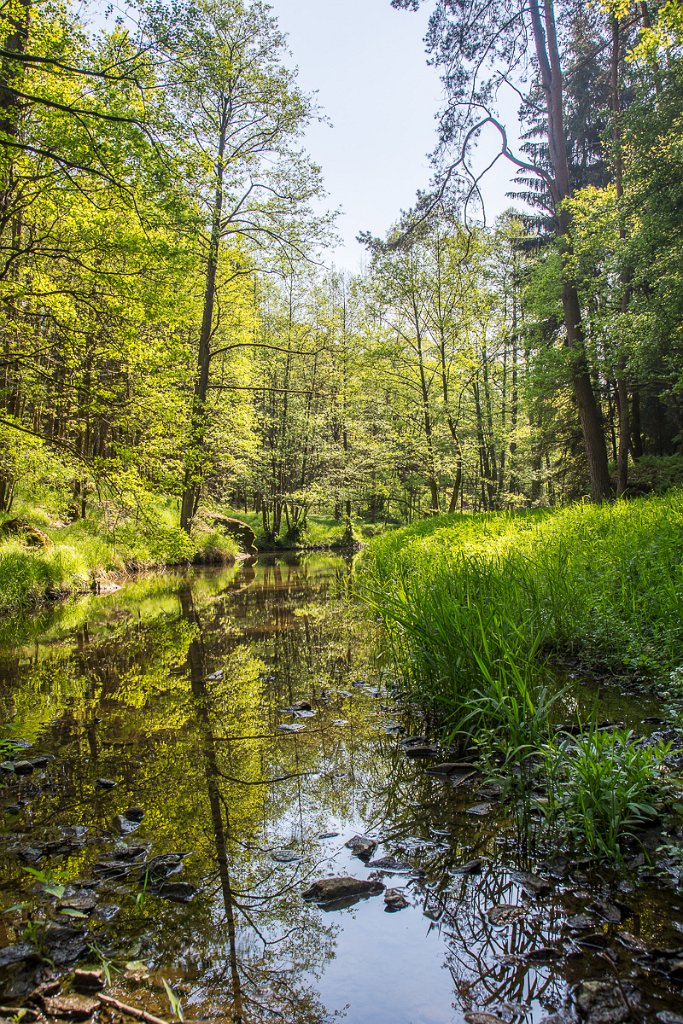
(368, 65)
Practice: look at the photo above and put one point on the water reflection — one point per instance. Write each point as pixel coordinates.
(172, 690)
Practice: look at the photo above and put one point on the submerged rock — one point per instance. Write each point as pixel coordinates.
(578, 923)
(361, 847)
(504, 914)
(451, 768)
(602, 1002)
(472, 867)
(394, 900)
(293, 727)
(479, 810)
(286, 856)
(480, 1017)
(341, 889)
(105, 784)
(390, 864)
(176, 892)
(533, 885)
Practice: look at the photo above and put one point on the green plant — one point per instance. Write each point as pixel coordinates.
(174, 1000)
(601, 789)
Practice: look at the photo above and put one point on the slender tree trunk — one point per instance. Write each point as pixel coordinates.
(624, 277)
(548, 55)
(195, 459)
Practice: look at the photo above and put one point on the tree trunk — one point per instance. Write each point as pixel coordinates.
(548, 55)
(195, 459)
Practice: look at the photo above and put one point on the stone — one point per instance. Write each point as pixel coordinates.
(135, 814)
(543, 954)
(20, 952)
(504, 914)
(23, 767)
(472, 867)
(451, 768)
(479, 810)
(342, 889)
(479, 1017)
(83, 903)
(394, 900)
(667, 1017)
(238, 529)
(294, 709)
(286, 856)
(421, 751)
(533, 885)
(607, 911)
(105, 784)
(414, 741)
(177, 892)
(594, 940)
(293, 727)
(602, 1002)
(125, 825)
(579, 923)
(390, 864)
(340, 722)
(75, 1007)
(88, 981)
(361, 847)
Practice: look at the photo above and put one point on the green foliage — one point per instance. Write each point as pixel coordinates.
(603, 583)
(601, 789)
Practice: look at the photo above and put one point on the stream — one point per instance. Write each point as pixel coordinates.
(162, 816)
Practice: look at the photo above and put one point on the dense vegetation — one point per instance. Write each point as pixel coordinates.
(168, 338)
(481, 612)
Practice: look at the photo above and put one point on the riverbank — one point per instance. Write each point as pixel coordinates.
(43, 559)
(602, 584)
(488, 616)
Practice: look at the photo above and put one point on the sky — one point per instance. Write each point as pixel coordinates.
(367, 64)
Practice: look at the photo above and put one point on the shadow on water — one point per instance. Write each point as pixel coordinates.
(176, 814)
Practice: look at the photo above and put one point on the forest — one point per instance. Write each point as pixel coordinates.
(342, 594)
(174, 344)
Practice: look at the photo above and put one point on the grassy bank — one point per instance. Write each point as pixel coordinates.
(603, 583)
(477, 608)
(78, 556)
(319, 532)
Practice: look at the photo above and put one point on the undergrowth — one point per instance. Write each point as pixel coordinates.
(475, 608)
(82, 554)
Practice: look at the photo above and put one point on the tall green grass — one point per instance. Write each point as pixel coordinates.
(604, 583)
(475, 609)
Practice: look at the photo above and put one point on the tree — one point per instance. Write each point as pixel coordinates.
(481, 47)
(241, 113)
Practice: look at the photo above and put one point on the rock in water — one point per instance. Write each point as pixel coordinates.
(394, 900)
(390, 864)
(341, 889)
(504, 914)
(601, 1002)
(71, 1007)
(361, 847)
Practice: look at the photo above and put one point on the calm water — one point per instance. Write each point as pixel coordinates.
(172, 688)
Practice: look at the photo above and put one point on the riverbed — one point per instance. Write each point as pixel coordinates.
(186, 757)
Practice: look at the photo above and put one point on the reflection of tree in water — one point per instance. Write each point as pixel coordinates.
(488, 965)
(271, 946)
